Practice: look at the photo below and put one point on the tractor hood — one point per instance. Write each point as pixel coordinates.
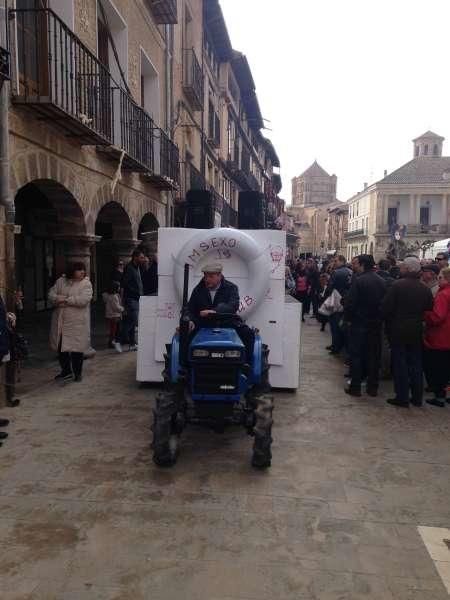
(225, 338)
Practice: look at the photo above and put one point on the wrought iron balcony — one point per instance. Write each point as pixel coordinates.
(229, 216)
(4, 64)
(166, 168)
(355, 233)
(193, 79)
(194, 179)
(60, 78)
(64, 82)
(164, 11)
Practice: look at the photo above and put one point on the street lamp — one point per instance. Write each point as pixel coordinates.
(4, 54)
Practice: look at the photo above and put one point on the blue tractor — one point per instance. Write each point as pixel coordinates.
(209, 381)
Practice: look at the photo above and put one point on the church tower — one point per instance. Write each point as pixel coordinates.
(428, 144)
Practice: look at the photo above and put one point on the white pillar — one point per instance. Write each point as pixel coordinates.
(444, 212)
(418, 204)
(412, 209)
(385, 205)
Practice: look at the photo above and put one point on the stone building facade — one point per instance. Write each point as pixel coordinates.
(313, 192)
(336, 228)
(406, 210)
(313, 187)
(117, 109)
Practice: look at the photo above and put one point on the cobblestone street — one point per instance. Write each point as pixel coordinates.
(84, 513)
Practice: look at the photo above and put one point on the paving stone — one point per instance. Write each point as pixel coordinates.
(84, 512)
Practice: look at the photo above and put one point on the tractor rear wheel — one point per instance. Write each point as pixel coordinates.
(262, 453)
(165, 439)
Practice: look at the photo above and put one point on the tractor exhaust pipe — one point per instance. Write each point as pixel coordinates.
(184, 320)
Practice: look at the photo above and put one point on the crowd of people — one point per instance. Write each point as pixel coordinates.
(390, 317)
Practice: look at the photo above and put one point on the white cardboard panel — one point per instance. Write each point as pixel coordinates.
(287, 375)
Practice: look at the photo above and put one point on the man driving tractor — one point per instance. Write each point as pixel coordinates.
(213, 296)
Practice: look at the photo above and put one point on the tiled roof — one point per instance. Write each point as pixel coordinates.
(427, 135)
(315, 170)
(423, 169)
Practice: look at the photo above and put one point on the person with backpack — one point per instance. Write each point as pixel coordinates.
(301, 287)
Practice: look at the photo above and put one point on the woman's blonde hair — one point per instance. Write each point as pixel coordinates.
(445, 273)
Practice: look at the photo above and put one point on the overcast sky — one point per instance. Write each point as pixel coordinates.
(346, 82)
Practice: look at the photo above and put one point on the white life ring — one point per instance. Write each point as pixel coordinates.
(232, 240)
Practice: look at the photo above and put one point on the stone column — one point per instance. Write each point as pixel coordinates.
(445, 213)
(385, 204)
(123, 249)
(417, 207)
(78, 248)
(412, 209)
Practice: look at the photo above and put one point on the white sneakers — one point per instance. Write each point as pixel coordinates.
(117, 347)
(133, 348)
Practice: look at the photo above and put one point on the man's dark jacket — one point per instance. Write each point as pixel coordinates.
(226, 300)
(132, 282)
(150, 279)
(387, 277)
(403, 307)
(362, 304)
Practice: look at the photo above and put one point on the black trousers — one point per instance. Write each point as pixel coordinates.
(407, 371)
(436, 365)
(71, 362)
(365, 354)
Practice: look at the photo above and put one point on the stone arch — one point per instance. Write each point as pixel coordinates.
(148, 223)
(113, 222)
(105, 196)
(51, 171)
(52, 231)
(148, 233)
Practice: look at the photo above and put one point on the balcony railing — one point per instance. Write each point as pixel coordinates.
(195, 181)
(229, 216)
(60, 78)
(355, 233)
(164, 11)
(4, 64)
(166, 167)
(416, 229)
(193, 79)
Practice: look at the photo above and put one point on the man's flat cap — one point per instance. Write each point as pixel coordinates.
(212, 268)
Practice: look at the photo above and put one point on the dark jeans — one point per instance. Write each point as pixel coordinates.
(71, 362)
(407, 371)
(130, 321)
(436, 365)
(337, 335)
(365, 354)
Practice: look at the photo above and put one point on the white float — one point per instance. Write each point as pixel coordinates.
(252, 259)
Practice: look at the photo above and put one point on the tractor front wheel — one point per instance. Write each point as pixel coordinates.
(165, 439)
(262, 453)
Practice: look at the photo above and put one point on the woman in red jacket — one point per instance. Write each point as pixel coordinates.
(437, 341)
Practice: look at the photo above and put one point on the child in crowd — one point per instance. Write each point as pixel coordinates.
(113, 314)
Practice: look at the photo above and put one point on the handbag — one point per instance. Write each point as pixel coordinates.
(332, 304)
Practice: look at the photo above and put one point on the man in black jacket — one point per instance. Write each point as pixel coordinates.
(214, 295)
(362, 308)
(132, 291)
(340, 281)
(403, 309)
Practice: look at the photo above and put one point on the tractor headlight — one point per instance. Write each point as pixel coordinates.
(232, 354)
(199, 353)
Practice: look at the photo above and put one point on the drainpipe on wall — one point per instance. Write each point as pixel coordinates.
(8, 204)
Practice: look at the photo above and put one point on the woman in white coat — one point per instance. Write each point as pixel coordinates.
(69, 334)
